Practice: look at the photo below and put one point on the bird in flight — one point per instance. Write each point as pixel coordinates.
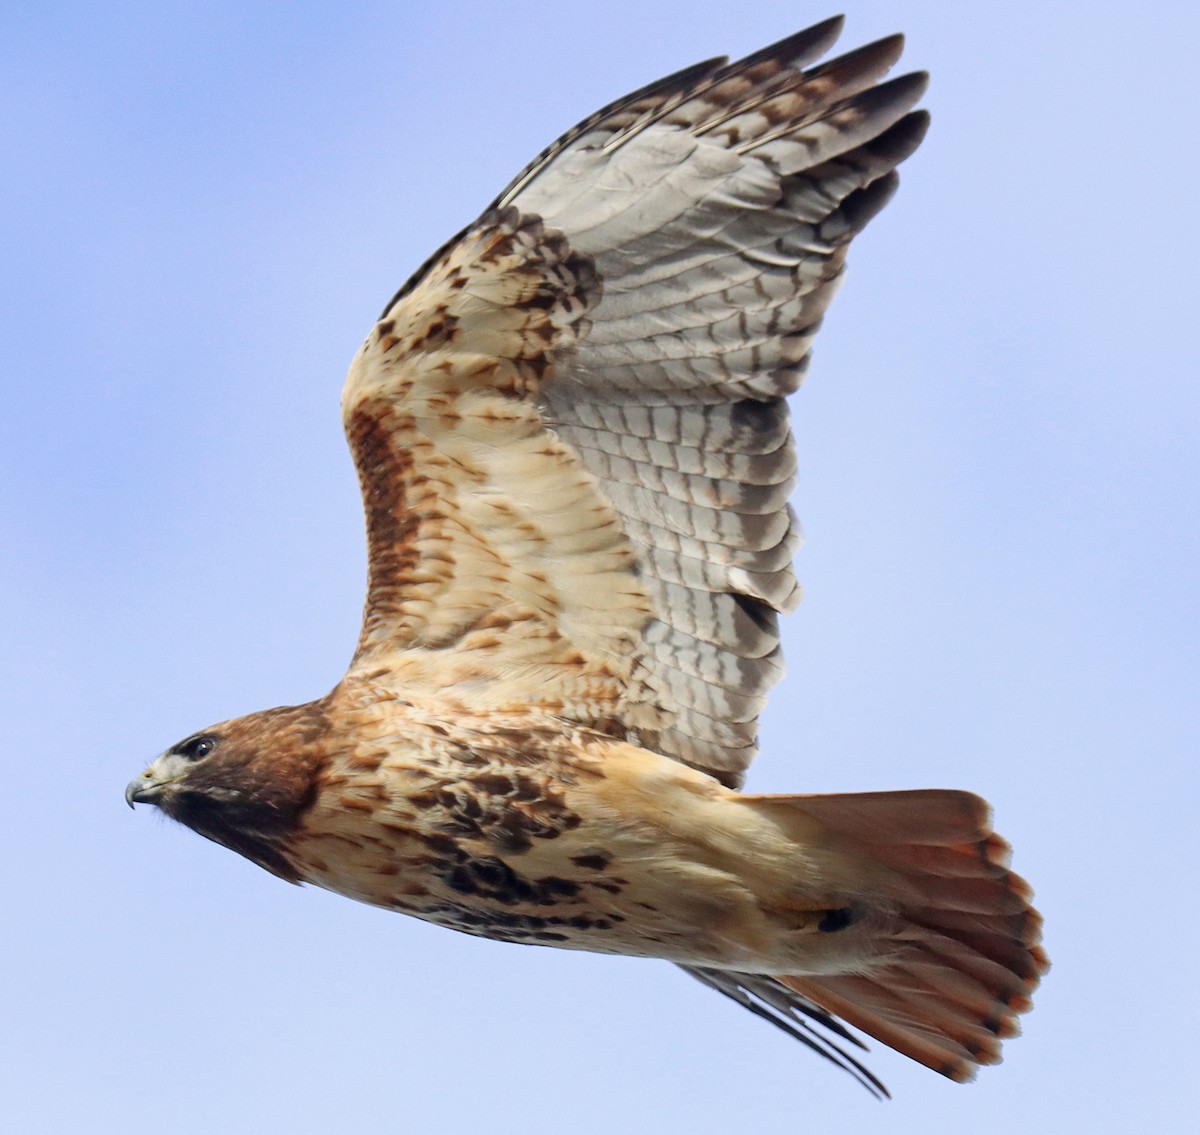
(572, 437)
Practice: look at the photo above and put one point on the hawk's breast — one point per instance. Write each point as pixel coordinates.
(523, 832)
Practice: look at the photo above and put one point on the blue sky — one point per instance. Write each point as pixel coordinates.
(205, 206)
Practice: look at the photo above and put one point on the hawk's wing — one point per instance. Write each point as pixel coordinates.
(570, 424)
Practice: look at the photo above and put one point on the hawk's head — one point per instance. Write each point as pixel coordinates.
(243, 783)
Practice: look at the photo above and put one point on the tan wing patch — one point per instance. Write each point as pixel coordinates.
(486, 533)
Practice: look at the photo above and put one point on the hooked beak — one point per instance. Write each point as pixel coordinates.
(145, 789)
(153, 783)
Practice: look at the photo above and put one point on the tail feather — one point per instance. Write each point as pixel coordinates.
(932, 978)
(954, 861)
(930, 817)
(954, 953)
(964, 895)
(1016, 963)
(869, 1006)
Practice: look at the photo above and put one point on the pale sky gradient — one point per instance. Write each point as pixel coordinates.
(205, 206)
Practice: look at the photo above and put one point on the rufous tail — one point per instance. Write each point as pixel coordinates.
(960, 957)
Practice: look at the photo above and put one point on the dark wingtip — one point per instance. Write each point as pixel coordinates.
(787, 1010)
(800, 48)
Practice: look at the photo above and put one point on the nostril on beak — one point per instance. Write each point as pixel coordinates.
(134, 787)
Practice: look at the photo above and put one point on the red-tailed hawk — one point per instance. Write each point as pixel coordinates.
(572, 435)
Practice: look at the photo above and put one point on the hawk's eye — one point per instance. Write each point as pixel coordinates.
(196, 748)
